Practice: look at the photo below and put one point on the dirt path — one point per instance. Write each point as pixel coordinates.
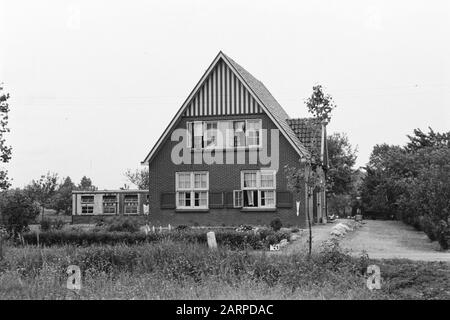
(393, 239)
(320, 233)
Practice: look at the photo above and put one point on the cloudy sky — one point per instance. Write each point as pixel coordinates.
(94, 83)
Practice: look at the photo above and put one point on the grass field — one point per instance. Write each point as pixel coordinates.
(174, 270)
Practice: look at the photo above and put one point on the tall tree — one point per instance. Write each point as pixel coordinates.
(62, 200)
(421, 140)
(140, 178)
(320, 104)
(341, 160)
(5, 150)
(86, 184)
(43, 190)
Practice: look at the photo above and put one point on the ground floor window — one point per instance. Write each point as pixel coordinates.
(87, 204)
(257, 189)
(109, 204)
(192, 190)
(131, 204)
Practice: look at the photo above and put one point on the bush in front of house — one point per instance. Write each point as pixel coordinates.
(233, 240)
(276, 224)
(127, 225)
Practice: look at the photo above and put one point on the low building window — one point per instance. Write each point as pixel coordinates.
(131, 204)
(109, 204)
(192, 190)
(87, 204)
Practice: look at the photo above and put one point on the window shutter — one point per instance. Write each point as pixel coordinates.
(284, 199)
(216, 199)
(168, 200)
(229, 200)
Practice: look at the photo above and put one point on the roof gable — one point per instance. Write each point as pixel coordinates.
(312, 134)
(222, 93)
(255, 93)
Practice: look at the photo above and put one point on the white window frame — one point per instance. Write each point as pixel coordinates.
(192, 190)
(259, 188)
(238, 198)
(88, 207)
(108, 202)
(126, 204)
(247, 131)
(227, 139)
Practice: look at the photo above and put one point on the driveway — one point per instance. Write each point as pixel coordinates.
(393, 239)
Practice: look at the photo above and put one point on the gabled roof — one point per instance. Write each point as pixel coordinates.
(259, 92)
(269, 102)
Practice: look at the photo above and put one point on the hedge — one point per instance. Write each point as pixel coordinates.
(232, 239)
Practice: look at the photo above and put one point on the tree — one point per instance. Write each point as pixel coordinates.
(43, 190)
(422, 140)
(62, 200)
(412, 182)
(309, 173)
(320, 104)
(140, 178)
(5, 150)
(86, 184)
(341, 159)
(18, 211)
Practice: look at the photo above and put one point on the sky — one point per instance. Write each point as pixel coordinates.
(94, 83)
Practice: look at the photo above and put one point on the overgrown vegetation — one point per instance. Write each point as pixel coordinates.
(18, 211)
(177, 270)
(413, 182)
(234, 240)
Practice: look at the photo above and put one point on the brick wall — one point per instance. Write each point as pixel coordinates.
(222, 178)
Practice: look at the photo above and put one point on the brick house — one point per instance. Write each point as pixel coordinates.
(221, 159)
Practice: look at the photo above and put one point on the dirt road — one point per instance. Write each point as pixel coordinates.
(393, 239)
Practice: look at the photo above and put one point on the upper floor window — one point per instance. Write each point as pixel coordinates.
(224, 134)
(192, 190)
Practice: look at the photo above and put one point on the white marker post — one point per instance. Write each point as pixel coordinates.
(212, 243)
(298, 208)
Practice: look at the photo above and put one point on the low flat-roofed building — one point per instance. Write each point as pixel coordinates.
(87, 206)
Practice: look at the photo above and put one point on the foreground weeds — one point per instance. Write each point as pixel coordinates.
(176, 270)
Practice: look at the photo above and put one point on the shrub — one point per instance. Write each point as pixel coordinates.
(46, 224)
(182, 228)
(126, 225)
(18, 210)
(232, 240)
(276, 224)
(58, 224)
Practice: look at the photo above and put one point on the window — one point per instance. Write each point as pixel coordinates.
(87, 204)
(131, 204)
(224, 134)
(258, 189)
(253, 133)
(239, 133)
(192, 190)
(198, 135)
(109, 204)
(211, 134)
(237, 198)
